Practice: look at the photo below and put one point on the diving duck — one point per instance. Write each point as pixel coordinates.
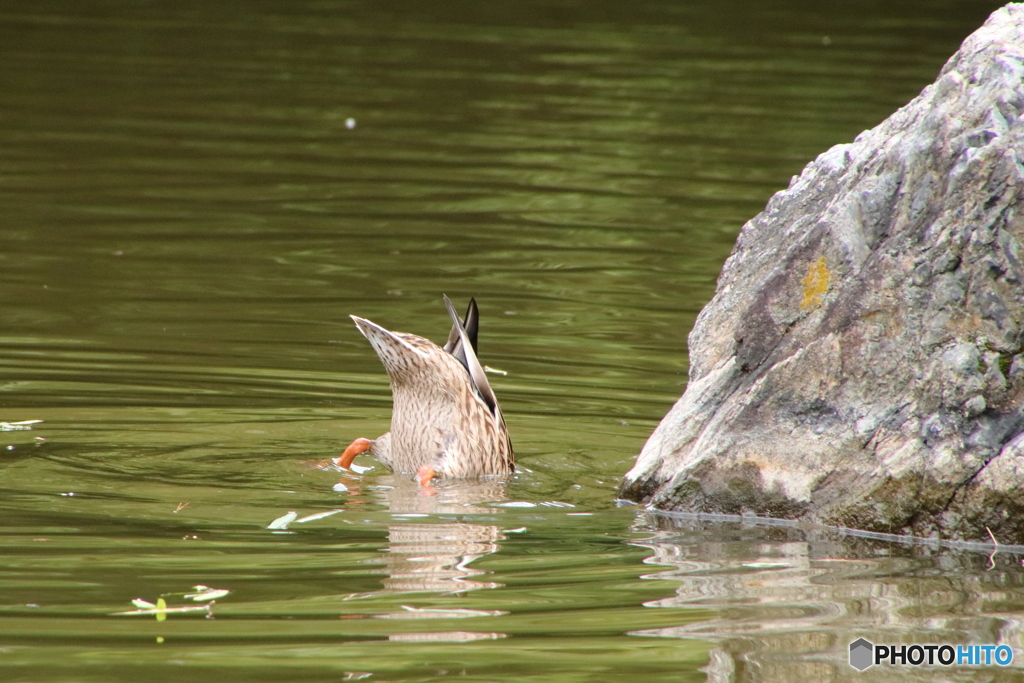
(445, 422)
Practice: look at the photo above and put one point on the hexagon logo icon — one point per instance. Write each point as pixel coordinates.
(862, 654)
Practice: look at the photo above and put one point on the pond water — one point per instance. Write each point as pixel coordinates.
(197, 195)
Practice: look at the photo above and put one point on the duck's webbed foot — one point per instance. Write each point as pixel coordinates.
(425, 475)
(360, 445)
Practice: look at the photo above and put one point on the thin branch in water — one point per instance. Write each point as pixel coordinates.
(992, 557)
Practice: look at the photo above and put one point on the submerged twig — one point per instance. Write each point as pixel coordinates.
(992, 557)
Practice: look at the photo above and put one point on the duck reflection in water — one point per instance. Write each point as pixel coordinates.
(436, 557)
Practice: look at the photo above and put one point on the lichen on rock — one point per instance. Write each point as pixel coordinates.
(861, 362)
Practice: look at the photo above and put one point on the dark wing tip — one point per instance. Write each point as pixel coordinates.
(472, 324)
(465, 352)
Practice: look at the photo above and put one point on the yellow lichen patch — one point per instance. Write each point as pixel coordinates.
(815, 283)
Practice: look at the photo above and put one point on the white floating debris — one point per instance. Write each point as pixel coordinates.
(516, 504)
(359, 469)
(557, 504)
(444, 637)
(427, 613)
(496, 371)
(69, 493)
(283, 521)
(350, 123)
(205, 593)
(514, 531)
(340, 488)
(767, 565)
(18, 426)
(319, 515)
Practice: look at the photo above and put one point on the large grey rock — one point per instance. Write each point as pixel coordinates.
(860, 363)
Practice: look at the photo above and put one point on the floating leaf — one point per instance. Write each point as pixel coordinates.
(319, 515)
(283, 521)
(18, 426)
(161, 610)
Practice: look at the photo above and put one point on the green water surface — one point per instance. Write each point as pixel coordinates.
(196, 195)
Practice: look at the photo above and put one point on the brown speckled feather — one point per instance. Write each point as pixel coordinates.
(445, 414)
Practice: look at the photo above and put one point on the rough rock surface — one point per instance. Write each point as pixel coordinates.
(860, 364)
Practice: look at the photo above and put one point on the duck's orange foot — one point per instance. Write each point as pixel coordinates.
(425, 475)
(358, 446)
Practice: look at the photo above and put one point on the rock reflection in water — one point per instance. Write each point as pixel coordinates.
(790, 601)
(437, 556)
